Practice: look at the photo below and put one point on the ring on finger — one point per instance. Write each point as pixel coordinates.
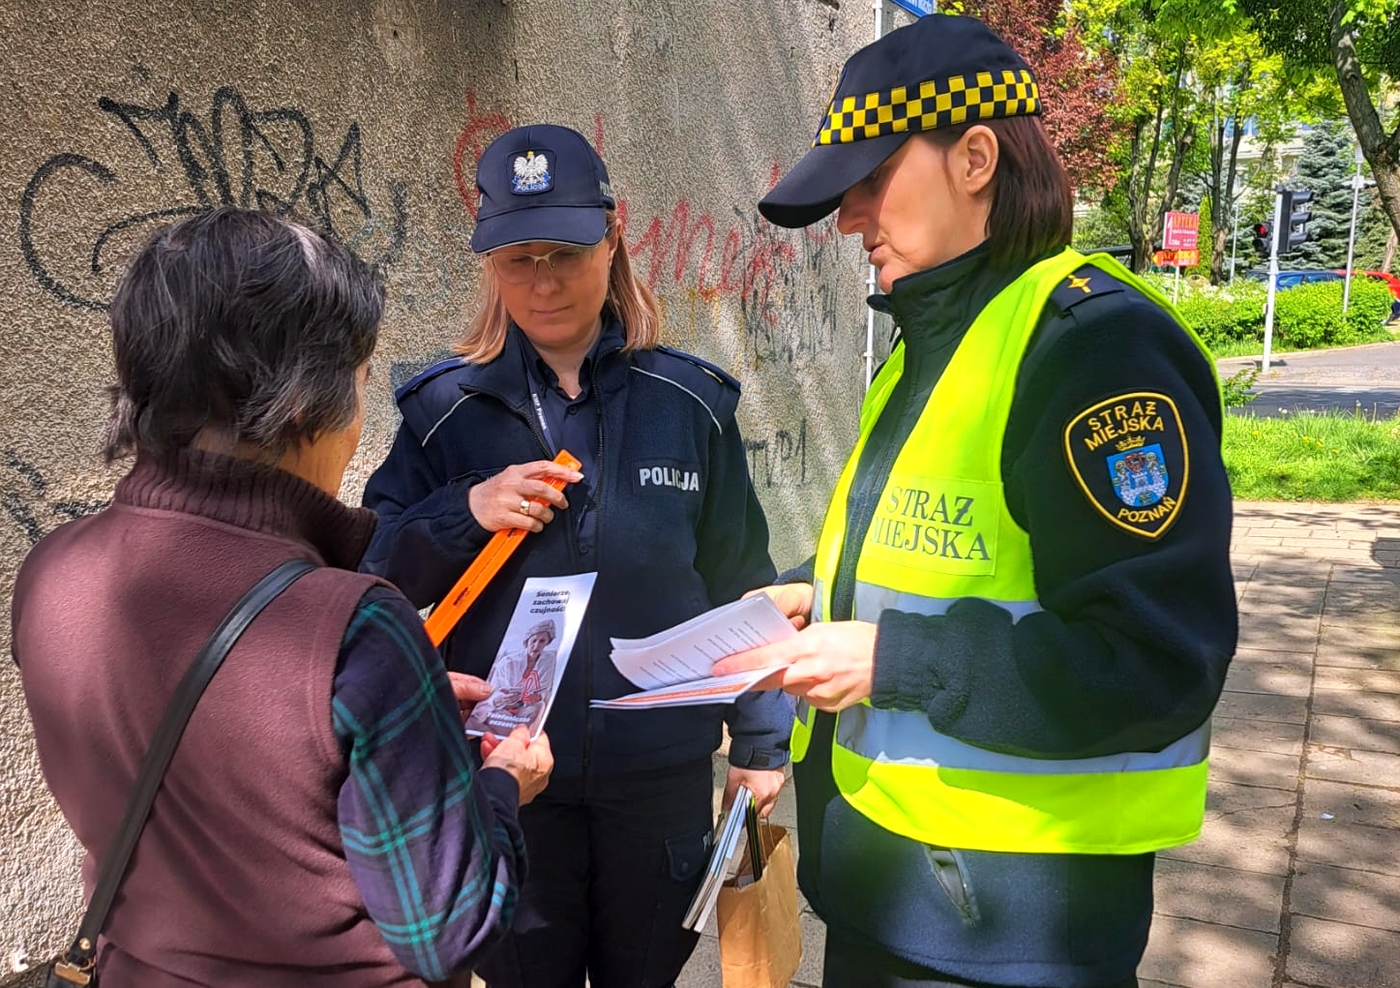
(524, 506)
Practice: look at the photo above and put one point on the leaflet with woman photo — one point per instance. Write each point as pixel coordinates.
(525, 676)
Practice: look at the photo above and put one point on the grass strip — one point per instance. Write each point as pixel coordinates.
(1313, 457)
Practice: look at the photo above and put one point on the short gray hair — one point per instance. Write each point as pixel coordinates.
(240, 321)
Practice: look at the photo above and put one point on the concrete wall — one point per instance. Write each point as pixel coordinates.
(366, 116)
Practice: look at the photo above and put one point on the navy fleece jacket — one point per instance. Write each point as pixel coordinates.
(675, 530)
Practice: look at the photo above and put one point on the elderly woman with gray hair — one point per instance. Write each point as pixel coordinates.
(321, 822)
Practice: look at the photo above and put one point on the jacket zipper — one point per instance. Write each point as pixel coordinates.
(597, 565)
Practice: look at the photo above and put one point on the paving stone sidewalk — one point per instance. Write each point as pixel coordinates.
(1295, 882)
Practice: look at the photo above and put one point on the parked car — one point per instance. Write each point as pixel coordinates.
(1294, 278)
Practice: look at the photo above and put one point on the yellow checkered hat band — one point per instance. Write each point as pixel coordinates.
(930, 105)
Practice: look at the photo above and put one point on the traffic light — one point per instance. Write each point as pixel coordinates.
(1261, 239)
(1295, 213)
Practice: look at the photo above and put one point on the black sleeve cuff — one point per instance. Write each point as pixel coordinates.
(502, 791)
(744, 754)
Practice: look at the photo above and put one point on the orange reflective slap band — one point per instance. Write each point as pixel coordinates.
(485, 566)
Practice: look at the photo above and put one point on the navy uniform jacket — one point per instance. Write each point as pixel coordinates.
(677, 530)
(1129, 653)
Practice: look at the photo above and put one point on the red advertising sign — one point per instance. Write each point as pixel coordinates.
(1176, 258)
(1180, 231)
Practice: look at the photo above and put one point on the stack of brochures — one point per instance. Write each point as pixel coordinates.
(673, 666)
(721, 855)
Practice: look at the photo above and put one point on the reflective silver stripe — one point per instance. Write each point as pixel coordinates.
(692, 394)
(818, 600)
(901, 737)
(872, 600)
(446, 417)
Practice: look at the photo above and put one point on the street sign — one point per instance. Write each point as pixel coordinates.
(1176, 258)
(916, 7)
(1180, 231)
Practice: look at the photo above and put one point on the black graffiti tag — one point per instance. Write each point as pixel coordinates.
(27, 501)
(243, 157)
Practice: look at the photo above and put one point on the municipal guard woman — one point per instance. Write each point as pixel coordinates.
(1021, 597)
(563, 354)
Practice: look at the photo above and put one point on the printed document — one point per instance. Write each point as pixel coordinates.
(530, 664)
(719, 867)
(673, 666)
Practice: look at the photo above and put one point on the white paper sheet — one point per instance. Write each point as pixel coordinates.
(687, 652)
(698, 692)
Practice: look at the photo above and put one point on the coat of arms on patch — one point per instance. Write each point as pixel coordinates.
(1130, 458)
(1139, 476)
(531, 174)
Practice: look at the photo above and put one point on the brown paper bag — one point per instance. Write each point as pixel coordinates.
(760, 942)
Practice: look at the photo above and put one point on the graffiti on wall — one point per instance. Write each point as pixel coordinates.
(787, 286)
(780, 458)
(27, 501)
(181, 164)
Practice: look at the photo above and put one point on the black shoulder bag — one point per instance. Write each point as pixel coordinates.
(77, 966)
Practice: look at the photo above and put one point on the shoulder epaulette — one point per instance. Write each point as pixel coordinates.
(1089, 281)
(425, 375)
(719, 375)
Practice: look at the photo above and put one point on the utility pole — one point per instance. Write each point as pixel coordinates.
(918, 8)
(1273, 279)
(1234, 239)
(872, 285)
(1351, 237)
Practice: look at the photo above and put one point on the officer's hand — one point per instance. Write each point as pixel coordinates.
(469, 691)
(529, 762)
(764, 783)
(793, 599)
(830, 664)
(496, 503)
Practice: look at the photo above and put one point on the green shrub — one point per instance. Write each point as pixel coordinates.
(1311, 315)
(1368, 309)
(1231, 313)
(1230, 319)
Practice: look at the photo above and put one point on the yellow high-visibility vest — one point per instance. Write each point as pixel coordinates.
(941, 532)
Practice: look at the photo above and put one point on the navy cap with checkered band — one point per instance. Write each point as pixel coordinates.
(940, 71)
(542, 182)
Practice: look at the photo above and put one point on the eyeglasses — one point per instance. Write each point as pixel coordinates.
(519, 268)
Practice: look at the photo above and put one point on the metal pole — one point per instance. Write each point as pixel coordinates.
(1234, 239)
(872, 284)
(1176, 282)
(1351, 237)
(1273, 281)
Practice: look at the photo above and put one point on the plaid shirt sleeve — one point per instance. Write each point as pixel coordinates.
(433, 843)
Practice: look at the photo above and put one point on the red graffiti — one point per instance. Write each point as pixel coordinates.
(743, 263)
(480, 131)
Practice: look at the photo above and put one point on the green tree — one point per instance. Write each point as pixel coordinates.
(1326, 169)
(1374, 234)
(1358, 40)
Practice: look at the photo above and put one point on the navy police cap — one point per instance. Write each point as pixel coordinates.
(541, 182)
(940, 71)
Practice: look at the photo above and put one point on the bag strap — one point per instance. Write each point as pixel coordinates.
(77, 964)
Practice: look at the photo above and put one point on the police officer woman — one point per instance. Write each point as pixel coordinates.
(1021, 598)
(563, 353)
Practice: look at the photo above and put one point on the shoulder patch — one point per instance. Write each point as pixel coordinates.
(1129, 455)
(709, 368)
(422, 377)
(1087, 282)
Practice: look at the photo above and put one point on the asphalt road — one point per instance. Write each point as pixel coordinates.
(1273, 401)
(1364, 378)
